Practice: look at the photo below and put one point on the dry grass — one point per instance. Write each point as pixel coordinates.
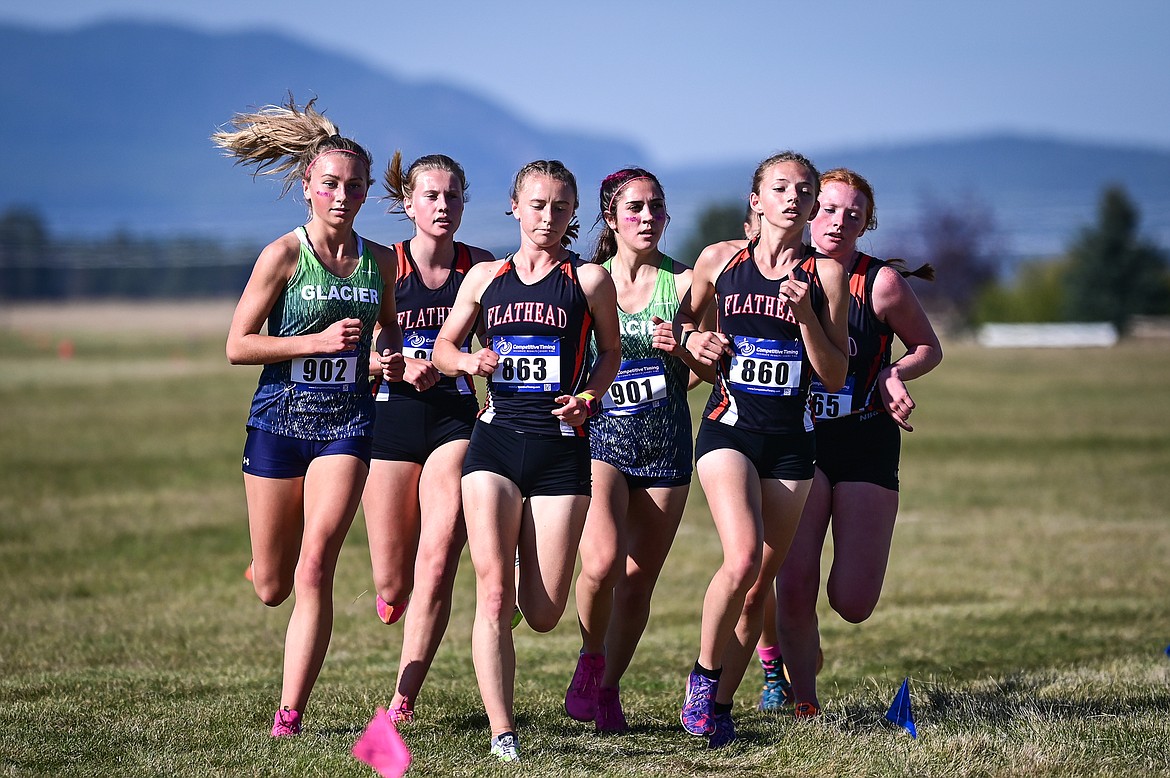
(1026, 598)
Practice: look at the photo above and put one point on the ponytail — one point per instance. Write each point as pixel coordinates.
(285, 140)
(924, 271)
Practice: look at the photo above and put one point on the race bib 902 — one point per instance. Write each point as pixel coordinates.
(326, 372)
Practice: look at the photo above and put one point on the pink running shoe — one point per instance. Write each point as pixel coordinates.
(610, 718)
(390, 613)
(286, 723)
(581, 697)
(404, 713)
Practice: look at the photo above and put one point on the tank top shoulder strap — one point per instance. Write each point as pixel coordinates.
(809, 265)
(405, 263)
(506, 266)
(665, 285)
(859, 282)
(462, 258)
(569, 267)
(367, 262)
(306, 257)
(739, 257)
(864, 275)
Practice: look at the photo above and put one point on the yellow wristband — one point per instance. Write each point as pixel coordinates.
(592, 406)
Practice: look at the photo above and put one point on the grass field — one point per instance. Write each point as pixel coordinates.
(1028, 599)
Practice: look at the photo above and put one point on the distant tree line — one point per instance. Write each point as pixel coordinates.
(1108, 273)
(36, 266)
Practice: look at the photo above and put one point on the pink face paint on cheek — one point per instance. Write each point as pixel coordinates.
(633, 219)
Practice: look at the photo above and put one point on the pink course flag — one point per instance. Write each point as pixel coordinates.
(382, 748)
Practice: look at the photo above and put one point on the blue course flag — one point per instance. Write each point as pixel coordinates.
(1167, 650)
(900, 712)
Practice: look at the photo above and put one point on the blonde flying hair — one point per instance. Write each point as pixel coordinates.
(284, 140)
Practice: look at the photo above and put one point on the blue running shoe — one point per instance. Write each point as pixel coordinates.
(696, 710)
(777, 692)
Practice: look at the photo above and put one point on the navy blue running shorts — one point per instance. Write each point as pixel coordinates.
(278, 456)
(653, 481)
(787, 457)
(547, 465)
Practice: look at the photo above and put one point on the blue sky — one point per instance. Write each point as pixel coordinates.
(704, 81)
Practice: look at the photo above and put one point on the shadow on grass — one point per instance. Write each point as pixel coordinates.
(1014, 699)
(564, 738)
(353, 731)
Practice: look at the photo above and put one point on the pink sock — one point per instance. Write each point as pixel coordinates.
(768, 653)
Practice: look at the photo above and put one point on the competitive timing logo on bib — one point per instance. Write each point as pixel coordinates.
(416, 340)
(503, 347)
(746, 348)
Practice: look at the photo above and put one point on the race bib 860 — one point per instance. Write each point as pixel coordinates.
(764, 366)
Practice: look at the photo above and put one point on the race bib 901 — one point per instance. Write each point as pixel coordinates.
(326, 372)
(528, 363)
(764, 366)
(639, 386)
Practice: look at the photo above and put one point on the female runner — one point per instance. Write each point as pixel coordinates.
(320, 289)
(858, 441)
(422, 424)
(755, 446)
(641, 448)
(526, 480)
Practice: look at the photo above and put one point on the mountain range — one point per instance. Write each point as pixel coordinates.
(113, 122)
